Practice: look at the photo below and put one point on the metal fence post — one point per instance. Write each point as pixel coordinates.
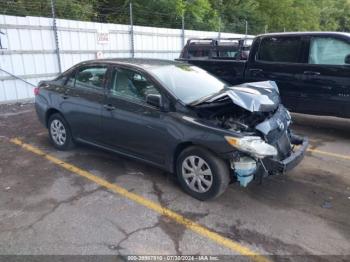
(219, 33)
(220, 13)
(183, 29)
(54, 27)
(132, 50)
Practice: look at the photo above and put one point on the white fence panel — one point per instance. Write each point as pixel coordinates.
(29, 48)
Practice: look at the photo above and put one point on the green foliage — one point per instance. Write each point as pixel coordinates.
(224, 15)
(82, 9)
(335, 15)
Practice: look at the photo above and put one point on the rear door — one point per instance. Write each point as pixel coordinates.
(82, 101)
(326, 79)
(280, 59)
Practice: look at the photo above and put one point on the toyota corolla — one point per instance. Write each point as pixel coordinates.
(175, 116)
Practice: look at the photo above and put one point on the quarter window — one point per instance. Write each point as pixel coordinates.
(328, 51)
(131, 85)
(71, 81)
(280, 49)
(62, 79)
(90, 77)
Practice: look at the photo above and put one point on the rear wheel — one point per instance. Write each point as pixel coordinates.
(59, 132)
(202, 174)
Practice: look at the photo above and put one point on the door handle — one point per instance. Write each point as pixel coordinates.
(109, 107)
(312, 73)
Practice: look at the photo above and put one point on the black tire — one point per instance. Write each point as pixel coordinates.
(68, 141)
(219, 169)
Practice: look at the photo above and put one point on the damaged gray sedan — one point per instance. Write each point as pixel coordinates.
(175, 116)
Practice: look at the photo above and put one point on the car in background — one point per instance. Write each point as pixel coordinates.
(311, 69)
(175, 116)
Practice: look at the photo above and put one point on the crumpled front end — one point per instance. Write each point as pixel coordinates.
(290, 150)
(256, 97)
(260, 129)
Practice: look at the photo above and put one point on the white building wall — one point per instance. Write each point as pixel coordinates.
(29, 49)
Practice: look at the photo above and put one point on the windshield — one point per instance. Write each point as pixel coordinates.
(188, 83)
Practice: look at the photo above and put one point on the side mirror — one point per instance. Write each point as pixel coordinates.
(154, 100)
(347, 59)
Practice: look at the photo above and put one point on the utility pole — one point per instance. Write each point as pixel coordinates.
(54, 27)
(132, 50)
(246, 28)
(219, 34)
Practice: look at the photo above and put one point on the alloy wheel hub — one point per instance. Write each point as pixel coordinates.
(58, 132)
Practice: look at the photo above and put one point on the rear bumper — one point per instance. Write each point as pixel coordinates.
(282, 166)
(41, 108)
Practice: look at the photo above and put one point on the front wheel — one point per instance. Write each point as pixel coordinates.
(202, 174)
(59, 132)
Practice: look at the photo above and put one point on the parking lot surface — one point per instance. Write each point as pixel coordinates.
(47, 208)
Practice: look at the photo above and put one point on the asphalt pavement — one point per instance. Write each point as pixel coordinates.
(91, 202)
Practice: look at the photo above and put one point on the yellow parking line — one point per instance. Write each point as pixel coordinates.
(329, 154)
(189, 224)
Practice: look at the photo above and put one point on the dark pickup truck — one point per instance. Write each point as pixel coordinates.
(311, 69)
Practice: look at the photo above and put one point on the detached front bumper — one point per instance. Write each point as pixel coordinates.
(281, 166)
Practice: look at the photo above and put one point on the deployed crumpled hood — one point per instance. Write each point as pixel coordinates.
(254, 97)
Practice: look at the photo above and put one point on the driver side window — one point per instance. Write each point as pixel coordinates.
(131, 85)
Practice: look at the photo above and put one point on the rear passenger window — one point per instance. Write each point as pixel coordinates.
(280, 49)
(91, 77)
(328, 51)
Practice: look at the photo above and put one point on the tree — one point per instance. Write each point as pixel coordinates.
(78, 10)
(210, 15)
(335, 15)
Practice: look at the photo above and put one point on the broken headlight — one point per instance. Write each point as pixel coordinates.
(253, 145)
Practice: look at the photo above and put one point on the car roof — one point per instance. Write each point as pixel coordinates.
(316, 33)
(143, 63)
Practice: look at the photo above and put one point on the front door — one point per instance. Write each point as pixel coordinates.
(130, 125)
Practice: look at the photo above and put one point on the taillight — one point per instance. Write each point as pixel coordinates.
(36, 91)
